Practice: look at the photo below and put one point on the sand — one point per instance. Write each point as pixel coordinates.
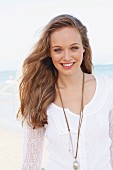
(11, 149)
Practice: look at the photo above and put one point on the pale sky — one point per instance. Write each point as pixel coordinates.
(21, 22)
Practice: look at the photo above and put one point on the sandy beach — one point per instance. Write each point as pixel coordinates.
(11, 149)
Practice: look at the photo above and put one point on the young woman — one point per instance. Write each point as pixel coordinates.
(62, 100)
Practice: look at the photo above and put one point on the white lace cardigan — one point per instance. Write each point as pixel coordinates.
(96, 137)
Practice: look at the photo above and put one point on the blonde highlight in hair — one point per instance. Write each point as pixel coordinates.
(37, 87)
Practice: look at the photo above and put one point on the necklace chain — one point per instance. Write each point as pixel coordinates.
(80, 118)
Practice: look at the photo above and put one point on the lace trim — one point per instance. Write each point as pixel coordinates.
(33, 148)
(111, 135)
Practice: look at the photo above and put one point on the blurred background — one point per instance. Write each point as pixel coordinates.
(21, 23)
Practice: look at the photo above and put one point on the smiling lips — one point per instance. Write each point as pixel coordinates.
(67, 65)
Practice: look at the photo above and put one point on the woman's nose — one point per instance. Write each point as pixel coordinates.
(67, 55)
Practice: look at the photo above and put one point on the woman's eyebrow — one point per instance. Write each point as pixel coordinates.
(56, 46)
(75, 44)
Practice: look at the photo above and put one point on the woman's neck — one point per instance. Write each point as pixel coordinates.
(71, 81)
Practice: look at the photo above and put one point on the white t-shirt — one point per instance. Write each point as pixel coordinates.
(95, 150)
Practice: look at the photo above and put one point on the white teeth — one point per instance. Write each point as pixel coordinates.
(67, 65)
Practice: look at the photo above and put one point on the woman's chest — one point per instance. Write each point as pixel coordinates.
(93, 125)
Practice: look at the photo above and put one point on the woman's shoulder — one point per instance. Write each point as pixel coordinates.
(104, 82)
(89, 77)
(102, 77)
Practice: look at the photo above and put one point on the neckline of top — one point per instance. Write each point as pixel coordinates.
(93, 100)
(66, 109)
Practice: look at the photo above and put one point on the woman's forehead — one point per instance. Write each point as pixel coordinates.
(65, 35)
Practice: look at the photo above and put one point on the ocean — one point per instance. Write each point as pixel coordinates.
(9, 100)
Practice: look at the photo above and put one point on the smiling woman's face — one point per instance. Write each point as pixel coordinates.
(66, 50)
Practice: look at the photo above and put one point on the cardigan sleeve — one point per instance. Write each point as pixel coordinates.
(32, 147)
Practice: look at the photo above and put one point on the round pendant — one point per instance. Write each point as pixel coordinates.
(76, 165)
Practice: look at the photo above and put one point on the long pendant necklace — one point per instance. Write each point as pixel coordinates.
(76, 165)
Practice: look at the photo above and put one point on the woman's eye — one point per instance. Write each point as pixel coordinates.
(75, 48)
(57, 50)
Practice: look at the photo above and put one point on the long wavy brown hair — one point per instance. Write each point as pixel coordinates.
(37, 86)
